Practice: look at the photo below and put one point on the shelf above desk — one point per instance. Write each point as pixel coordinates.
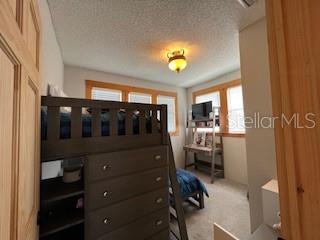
(202, 120)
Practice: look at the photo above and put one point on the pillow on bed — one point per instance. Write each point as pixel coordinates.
(55, 91)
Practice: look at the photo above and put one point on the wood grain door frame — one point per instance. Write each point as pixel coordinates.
(294, 53)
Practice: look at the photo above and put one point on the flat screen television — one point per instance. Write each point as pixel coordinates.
(201, 111)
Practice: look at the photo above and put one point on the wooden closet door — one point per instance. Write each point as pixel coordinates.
(19, 121)
(8, 144)
(294, 51)
(28, 183)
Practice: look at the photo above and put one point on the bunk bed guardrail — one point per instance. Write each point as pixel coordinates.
(55, 147)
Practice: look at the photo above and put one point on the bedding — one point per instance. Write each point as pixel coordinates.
(189, 183)
(65, 124)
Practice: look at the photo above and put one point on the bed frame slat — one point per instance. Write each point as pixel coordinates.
(129, 125)
(164, 125)
(154, 121)
(76, 123)
(96, 122)
(142, 122)
(53, 124)
(113, 122)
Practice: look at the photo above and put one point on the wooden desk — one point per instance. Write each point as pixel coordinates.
(208, 151)
(197, 148)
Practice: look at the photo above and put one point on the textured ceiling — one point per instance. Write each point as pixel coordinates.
(132, 37)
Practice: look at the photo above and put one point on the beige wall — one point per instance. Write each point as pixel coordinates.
(234, 148)
(51, 69)
(257, 98)
(74, 86)
(235, 159)
(51, 64)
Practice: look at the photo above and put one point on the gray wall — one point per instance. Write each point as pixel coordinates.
(74, 86)
(260, 142)
(51, 68)
(234, 148)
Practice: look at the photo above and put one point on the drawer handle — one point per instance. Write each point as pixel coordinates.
(158, 179)
(159, 222)
(106, 167)
(106, 193)
(159, 200)
(106, 221)
(157, 157)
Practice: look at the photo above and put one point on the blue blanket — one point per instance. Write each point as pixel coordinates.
(189, 183)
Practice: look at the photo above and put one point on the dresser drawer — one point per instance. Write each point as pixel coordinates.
(143, 228)
(114, 216)
(106, 192)
(103, 166)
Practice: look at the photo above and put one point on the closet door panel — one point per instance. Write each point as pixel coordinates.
(14, 6)
(8, 106)
(16, 10)
(31, 29)
(29, 159)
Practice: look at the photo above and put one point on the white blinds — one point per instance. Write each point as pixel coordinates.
(214, 97)
(106, 94)
(170, 102)
(139, 97)
(235, 109)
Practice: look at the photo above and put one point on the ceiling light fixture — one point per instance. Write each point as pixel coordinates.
(177, 60)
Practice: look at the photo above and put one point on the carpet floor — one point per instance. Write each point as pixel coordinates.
(227, 206)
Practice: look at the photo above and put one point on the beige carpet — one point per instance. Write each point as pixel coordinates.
(228, 206)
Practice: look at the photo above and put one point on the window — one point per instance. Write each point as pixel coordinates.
(116, 92)
(214, 97)
(235, 109)
(106, 94)
(170, 102)
(140, 97)
(227, 96)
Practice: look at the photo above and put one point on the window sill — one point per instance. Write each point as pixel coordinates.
(229, 134)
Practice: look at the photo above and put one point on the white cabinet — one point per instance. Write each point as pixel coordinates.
(270, 203)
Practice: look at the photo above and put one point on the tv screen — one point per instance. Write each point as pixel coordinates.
(201, 110)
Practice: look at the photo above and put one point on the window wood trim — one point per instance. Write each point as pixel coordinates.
(126, 89)
(222, 89)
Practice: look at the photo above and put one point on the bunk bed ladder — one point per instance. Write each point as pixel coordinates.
(176, 196)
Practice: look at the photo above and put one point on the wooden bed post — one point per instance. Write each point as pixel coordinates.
(176, 194)
(164, 124)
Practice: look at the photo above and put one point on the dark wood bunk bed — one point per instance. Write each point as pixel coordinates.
(125, 143)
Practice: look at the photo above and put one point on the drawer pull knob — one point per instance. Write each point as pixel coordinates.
(157, 157)
(159, 200)
(158, 222)
(106, 193)
(106, 167)
(106, 221)
(158, 179)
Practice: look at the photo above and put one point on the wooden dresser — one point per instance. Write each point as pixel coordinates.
(126, 195)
